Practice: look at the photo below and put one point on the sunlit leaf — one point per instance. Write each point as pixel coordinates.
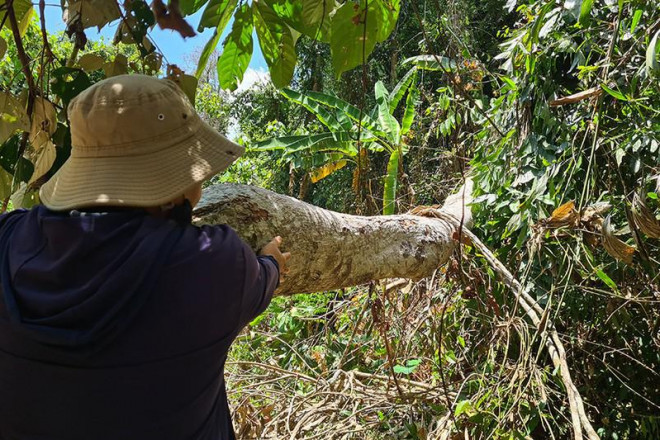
(615, 93)
(387, 14)
(391, 179)
(401, 88)
(585, 12)
(334, 120)
(652, 55)
(644, 218)
(614, 246)
(5, 184)
(352, 37)
(326, 170)
(635, 21)
(237, 49)
(12, 116)
(606, 279)
(432, 62)
(118, 66)
(463, 407)
(337, 141)
(276, 42)
(348, 109)
(409, 113)
(91, 62)
(388, 122)
(91, 12)
(223, 19)
(24, 198)
(215, 13)
(313, 11)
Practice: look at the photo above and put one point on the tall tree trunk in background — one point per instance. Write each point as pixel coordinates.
(332, 250)
(304, 186)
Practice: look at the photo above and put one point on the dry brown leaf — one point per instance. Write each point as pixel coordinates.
(171, 18)
(644, 218)
(576, 97)
(614, 246)
(565, 215)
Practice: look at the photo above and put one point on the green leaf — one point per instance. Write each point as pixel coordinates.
(313, 11)
(237, 51)
(213, 41)
(92, 12)
(352, 38)
(189, 7)
(615, 93)
(389, 193)
(12, 116)
(293, 14)
(215, 13)
(400, 369)
(400, 89)
(91, 62)
(635, 20)
(463, 407)
(348, 109)
(606, 279)
(585, 12)
(339, 141)
(3, 47)
(335, 121)
(119, 66)
(409, 113)
(23, 11)
(387, 13)
(432, 62)
(67, 82)
(276, 42)
(388, 123)
(5, 184)
(652, 55)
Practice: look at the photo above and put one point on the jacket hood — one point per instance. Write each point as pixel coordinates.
(75, 279)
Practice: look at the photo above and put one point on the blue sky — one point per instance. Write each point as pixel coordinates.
(176, 50)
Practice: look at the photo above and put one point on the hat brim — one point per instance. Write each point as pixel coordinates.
(145, 180)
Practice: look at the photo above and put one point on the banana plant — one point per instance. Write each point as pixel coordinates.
(377, 130)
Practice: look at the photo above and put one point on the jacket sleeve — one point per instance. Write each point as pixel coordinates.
(262, 276)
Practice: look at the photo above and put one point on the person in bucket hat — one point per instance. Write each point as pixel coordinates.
(117, 314)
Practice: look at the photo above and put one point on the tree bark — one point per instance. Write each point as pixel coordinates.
(330, 250)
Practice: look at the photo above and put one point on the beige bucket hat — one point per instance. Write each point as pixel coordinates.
(136, 141)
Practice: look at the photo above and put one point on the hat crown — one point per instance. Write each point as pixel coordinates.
(128, 112)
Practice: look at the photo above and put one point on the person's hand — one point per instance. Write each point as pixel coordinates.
(273, 249)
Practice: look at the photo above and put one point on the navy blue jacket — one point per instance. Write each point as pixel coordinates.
(117, 325)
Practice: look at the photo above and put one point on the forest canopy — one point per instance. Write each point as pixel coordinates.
(381, 107)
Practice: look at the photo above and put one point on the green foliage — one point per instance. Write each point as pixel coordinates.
(279, 23)
(349, 129)
(237, 52)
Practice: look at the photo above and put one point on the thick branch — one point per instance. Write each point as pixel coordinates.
(25, 65)
(331, 250)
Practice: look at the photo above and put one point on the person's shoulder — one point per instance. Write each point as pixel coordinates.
(18, 213)
(213, 240)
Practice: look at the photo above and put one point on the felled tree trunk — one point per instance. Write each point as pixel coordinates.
(331, 250)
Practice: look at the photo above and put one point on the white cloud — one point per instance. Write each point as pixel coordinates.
(253, 77)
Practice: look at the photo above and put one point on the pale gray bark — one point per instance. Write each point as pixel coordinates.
(332, 250)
